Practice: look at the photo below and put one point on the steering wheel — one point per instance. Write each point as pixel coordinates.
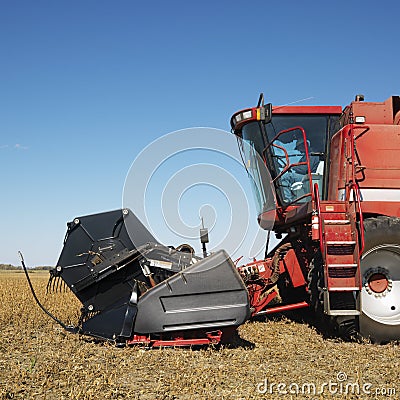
(281, 161)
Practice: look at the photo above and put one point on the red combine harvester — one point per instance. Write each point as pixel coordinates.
(335, 180)
(336, 177)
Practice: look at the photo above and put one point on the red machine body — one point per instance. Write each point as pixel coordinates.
(376, 152)
(337, 191)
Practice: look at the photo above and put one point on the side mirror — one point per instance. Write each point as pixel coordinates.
(266, 113)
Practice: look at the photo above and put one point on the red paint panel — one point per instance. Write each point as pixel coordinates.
(307, 110)
(292, 266)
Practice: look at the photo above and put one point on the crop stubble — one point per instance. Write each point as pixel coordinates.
(39, 360)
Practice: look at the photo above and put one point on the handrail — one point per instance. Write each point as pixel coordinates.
(318, 209)
(284, 151)
(366, 129)
(357, 198)
(307, 162)
(352, 184)
(349, 133)
(350, 158)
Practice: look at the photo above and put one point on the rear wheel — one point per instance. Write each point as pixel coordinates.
(380, 271)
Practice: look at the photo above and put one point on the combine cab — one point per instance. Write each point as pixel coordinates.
(336, 178)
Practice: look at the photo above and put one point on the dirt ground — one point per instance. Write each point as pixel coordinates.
(282, 360)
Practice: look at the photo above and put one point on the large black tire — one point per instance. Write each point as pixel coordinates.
(380, 317)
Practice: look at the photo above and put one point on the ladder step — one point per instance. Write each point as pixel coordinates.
(341, 243)
(342, 265)
(336, 221)
(333, 207)
(343, 312)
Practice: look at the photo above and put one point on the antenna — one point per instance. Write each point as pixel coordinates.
(204, 237)
(260, 100)
(294, 102)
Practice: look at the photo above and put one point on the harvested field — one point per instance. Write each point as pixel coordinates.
(40, 360)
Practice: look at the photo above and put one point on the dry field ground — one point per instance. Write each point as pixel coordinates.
(38, 360)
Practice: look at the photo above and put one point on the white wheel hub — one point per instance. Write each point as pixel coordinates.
(380, 296)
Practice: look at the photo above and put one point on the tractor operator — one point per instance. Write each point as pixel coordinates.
(294, 178)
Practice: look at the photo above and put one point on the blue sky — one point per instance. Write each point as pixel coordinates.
(86, 85)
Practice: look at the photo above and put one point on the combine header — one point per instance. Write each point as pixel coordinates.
(144, 292)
